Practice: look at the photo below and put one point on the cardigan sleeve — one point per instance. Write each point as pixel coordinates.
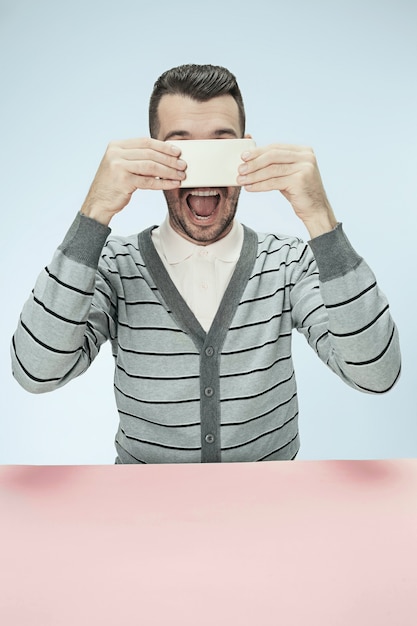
(338, 306)
(68, 315)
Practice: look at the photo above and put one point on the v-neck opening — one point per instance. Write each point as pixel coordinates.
(179, 308)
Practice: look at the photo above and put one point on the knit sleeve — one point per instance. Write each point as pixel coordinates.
(340, 309)
(69, 314)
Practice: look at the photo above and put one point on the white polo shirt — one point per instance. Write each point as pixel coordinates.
(200, 273)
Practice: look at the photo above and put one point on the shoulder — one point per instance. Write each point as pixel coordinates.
(122, 250)
(119, 242)
(280, 246)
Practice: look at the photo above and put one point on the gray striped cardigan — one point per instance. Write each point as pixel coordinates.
(187, 396)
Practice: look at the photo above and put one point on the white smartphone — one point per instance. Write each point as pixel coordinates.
(212, 162)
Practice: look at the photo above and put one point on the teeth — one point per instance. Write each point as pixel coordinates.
(202, 217)
(204, 193)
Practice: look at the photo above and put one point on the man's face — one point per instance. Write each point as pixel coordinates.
(202, 215)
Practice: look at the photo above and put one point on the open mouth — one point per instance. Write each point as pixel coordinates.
(203, 203)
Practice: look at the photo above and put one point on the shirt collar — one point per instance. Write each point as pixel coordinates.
(176, 248)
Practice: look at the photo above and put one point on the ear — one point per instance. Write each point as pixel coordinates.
(247, 136)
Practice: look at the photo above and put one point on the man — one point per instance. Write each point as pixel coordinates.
(200, 310)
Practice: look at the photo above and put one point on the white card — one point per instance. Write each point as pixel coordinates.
(212, 162)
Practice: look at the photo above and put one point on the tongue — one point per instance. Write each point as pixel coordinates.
(202, 205)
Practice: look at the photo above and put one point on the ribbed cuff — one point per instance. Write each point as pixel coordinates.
(84, 240)
(334, 254)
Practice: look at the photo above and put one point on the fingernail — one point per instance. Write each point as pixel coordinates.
(245, 156)
(175, 149)
(243, 168)
(181, 163)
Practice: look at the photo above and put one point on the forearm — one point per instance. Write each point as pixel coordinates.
(53, 342)
(353, 332)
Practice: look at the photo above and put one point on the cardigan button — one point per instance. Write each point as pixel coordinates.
(209, 438)
(208, 392)
(209, 351)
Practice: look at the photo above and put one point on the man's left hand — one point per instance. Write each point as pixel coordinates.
(293, 171)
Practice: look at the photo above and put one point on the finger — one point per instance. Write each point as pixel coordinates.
(152, 169)
(150, 156)
(271, 184)
(120, 154)
(265, 160)
(270, 172)
(155, 183)
(287, 152)
(278, 155)
(145, 143)
(163, 156)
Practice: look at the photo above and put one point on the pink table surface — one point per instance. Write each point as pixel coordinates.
(331, 543)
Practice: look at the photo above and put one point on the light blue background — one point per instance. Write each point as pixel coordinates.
(338, 75)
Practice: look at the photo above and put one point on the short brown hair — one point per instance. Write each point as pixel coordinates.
(199, 82)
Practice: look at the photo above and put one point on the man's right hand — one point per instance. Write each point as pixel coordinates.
(127, 166)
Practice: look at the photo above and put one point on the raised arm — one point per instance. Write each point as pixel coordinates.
(72, 309)
(336, 301)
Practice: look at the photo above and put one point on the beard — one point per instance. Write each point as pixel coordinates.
(207, 228)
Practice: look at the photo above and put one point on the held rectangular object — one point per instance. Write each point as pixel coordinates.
(212, 162)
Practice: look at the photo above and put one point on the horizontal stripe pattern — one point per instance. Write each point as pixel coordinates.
(163, 359)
